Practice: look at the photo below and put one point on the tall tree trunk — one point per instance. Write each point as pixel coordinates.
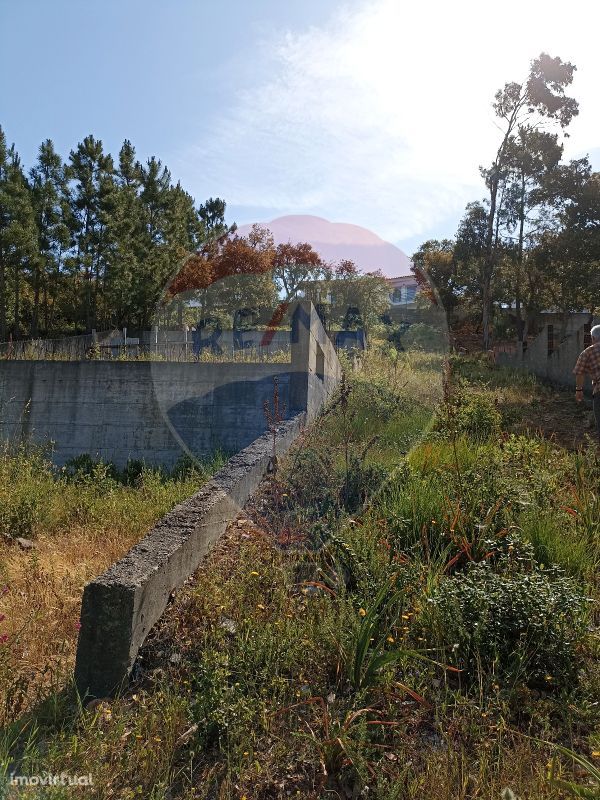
(45, 306)
(520, 326)
(53, 293)
(36, 301)
(2, 298)
(17, 306)
(488, 264)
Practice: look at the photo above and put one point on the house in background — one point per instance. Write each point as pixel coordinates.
(336, 241)
(403, 296)
(404, 290)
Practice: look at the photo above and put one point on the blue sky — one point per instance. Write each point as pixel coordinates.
(371, 112)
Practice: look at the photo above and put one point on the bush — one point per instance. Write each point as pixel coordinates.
(479, 418)
(421, 336)
(85, 469)
(361, 483)
(19, 513)
(505, 624)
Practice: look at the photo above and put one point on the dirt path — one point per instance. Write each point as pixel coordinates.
(557, 416)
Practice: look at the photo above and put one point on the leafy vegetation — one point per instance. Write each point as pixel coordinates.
(532, 243)
(423, 632)
(58, 529)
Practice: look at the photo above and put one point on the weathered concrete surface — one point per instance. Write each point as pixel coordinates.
(140, 410)
(555, 366)
(316, 370)
(120, 606)
(155, 410)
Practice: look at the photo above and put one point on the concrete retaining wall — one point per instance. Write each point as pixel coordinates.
(155, 410)
(141, 410)
(546, 358)
(120, 606)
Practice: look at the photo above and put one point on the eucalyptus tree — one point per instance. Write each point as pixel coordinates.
(536, 103)
(531, 157)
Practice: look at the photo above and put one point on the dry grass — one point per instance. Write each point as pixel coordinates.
(77, 530)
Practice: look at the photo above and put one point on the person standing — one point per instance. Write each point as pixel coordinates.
(588, 363)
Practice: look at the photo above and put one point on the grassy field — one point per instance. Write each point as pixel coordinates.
(407, 609)
(73, 524)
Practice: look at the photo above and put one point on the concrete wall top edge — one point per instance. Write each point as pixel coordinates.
(166, 536)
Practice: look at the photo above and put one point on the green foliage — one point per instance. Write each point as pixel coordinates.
(373, 647)
(570, 787)
(503, 622)
(362, 481)
(220, 704)
(308, 669)
(19, 512)
(479, 418)
(24, 479)
(546, 531)
(90, 243)
(421, 336)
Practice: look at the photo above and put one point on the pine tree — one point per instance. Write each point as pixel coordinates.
(84, 244)
(18, 236)
(50, 196)
(93, 205)
(126, 257)
(4, 223)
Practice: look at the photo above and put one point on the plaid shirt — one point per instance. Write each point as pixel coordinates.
(588, 363)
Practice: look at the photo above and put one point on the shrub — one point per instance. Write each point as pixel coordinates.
(85, 469)
(475, 415)
(361, 483)
(421, 336)
(504, 623)
(19, 512)
(132, 472)
(313, 482)
(479, 418)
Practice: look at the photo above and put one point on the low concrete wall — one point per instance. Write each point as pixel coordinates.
(556, 366)
(311, 346)
(120, 606)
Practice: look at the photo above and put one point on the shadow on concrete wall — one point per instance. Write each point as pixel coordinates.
(230, 417)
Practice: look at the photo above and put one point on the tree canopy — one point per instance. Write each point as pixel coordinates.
(533, 243)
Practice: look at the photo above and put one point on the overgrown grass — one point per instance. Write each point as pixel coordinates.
(75, 523)
(409, 611)
(253, 355)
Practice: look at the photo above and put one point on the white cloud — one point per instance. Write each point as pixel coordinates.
(382, 117)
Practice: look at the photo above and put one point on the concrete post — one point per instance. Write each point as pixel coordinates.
(300, 355)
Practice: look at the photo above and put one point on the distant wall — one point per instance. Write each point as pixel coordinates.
(155, 410)
(311, 346)
(548, 359)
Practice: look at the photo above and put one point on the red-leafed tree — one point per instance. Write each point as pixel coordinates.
(296, 267)
(228, 274)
